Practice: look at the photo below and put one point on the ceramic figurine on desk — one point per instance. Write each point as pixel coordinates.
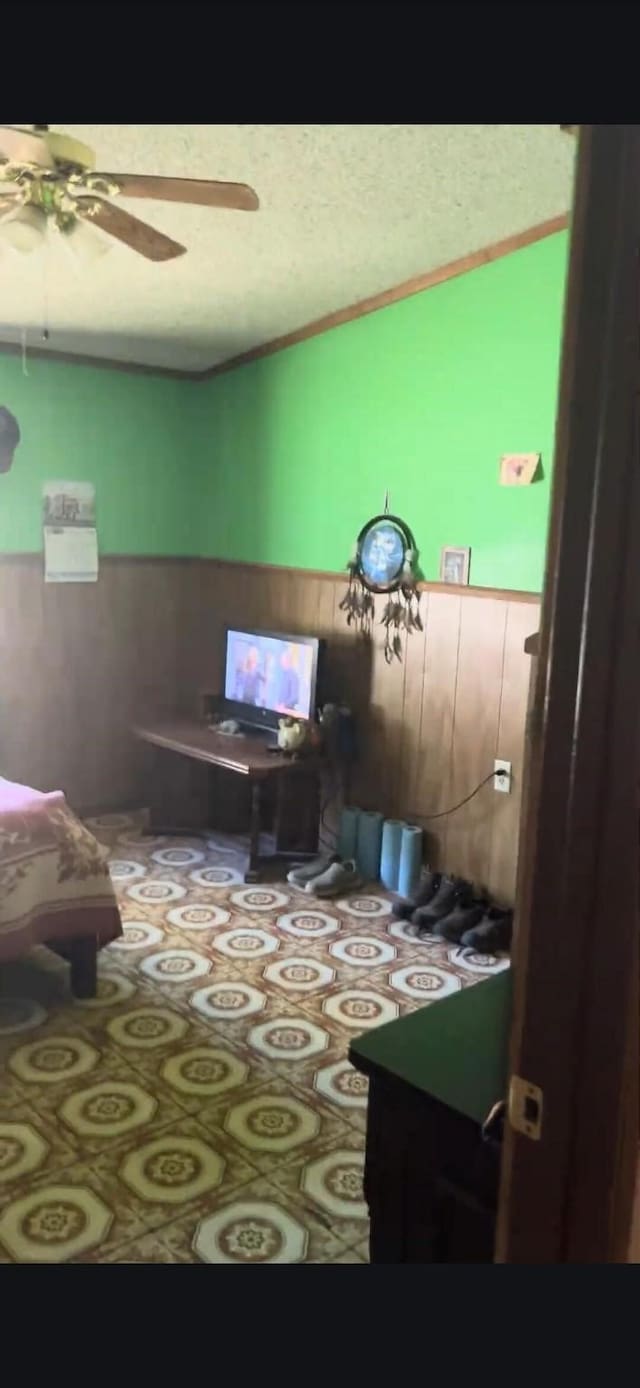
(292, 734)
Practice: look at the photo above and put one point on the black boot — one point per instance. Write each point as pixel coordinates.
(453, 891)
(426, 889)
(461, 919)
(493, 933)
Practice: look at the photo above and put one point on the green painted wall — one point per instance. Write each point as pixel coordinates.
(129, 434)
(422, 397)
(283, 460)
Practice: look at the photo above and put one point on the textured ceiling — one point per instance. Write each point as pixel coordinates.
(346, 211)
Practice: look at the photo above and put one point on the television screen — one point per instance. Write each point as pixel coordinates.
(274, 674)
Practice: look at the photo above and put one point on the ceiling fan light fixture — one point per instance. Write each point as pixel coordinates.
(85, 243)
(55, 175)
(24, 229)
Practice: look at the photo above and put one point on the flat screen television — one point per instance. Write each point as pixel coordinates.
(268, 675)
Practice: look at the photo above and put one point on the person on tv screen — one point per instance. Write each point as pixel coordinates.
(249, 678)
(289, 681)
(270, 687)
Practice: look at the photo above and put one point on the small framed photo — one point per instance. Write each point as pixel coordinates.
(454, 565)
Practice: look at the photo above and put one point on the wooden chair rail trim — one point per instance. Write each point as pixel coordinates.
(325, 575)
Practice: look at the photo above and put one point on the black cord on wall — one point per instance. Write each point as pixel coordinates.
(467, 798)
(418, 817)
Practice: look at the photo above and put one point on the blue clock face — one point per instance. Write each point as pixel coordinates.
(382, 553)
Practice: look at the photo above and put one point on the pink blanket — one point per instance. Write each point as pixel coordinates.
(54, 875)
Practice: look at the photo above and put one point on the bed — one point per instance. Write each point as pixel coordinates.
(55, 887)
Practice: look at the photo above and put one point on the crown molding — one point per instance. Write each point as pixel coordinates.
(417, 285)
(405, 290)
(134, 368)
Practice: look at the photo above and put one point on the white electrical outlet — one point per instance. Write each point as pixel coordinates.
(502, 783)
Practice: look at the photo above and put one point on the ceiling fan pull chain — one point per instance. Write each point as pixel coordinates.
(45, 293)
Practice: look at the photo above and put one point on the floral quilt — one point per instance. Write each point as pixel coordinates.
(54, 875)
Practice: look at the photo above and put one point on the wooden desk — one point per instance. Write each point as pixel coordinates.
(430, 1182)
(296, 781)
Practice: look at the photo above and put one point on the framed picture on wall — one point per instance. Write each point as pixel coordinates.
(454, 565)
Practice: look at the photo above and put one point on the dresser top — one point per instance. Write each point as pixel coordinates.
(455, 1050)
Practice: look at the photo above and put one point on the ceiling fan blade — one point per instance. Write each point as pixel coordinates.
(200, 191)
(152, 244)
(23, 147)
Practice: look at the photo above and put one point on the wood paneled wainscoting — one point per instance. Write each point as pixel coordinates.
(80, 663)
(430, 728)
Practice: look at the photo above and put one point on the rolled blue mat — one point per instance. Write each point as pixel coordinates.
(390, 854)
(369, 842)
(348, 833)
(410, 860)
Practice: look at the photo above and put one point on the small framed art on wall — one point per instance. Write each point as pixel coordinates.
(454, 565)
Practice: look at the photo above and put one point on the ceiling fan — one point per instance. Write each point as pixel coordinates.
(48, 178)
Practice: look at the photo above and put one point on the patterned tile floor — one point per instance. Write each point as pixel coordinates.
(201, 1108)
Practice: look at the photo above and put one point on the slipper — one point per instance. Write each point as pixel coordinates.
(305, 872)
(338, 878)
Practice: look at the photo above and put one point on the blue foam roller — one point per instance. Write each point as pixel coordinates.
(390, 854)
(410, 860)
(369, 843)
(348, 833)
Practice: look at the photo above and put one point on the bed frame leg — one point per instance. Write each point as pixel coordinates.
(84, 968)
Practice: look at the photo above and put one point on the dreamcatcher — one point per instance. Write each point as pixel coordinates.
(383, 562)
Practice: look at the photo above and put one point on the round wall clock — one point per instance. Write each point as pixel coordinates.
(384, 554)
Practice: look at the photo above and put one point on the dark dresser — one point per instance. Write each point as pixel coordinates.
(431, 1180)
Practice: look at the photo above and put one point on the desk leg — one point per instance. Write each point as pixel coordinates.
(253, 871)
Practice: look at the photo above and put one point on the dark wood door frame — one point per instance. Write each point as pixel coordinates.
(567, 1197)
